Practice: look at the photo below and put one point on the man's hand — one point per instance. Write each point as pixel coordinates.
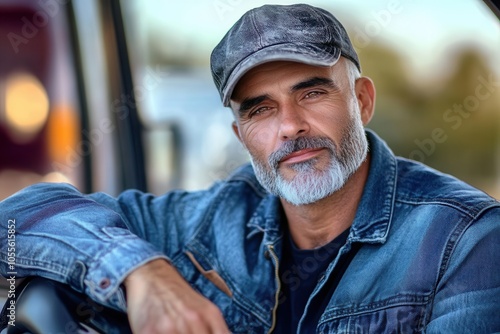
(161, 301)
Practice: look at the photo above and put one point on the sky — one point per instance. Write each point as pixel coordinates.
(423, 30)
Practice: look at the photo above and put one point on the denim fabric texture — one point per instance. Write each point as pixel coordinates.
(428, 258)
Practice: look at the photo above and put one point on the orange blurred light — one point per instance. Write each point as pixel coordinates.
(62, 132)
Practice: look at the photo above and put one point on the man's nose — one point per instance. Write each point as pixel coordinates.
(293, 122)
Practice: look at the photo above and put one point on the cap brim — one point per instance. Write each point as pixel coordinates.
(301, 53)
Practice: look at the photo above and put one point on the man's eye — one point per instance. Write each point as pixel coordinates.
(312, 94)
(258, 111)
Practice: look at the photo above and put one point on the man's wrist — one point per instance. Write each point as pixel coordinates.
(160, 266)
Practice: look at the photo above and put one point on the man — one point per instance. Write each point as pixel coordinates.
(317, 236)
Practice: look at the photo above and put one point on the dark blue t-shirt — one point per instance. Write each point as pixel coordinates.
(300, 271)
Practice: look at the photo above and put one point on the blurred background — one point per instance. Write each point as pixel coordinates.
(109, 95)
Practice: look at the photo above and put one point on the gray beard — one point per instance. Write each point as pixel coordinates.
(312, 184)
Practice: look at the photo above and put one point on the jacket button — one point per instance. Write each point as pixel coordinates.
(104, 283)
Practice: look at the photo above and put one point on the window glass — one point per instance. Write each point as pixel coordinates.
(39, 119)
(436, 73)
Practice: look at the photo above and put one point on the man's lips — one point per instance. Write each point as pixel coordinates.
(301, 155)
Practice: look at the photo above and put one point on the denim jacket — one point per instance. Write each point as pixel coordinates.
(428, 248)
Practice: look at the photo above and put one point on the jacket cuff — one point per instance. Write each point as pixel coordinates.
(107, 272)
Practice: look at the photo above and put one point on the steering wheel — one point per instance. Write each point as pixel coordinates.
(45, 306)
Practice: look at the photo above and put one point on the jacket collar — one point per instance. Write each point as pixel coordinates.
(373, 217)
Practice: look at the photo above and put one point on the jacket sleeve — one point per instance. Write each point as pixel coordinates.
(91, 242)
(467, 299)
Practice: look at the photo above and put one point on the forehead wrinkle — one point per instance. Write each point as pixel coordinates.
(314, 82)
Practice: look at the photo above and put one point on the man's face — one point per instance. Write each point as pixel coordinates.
(302, 127)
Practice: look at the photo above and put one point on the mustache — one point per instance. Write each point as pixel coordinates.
(298, 144)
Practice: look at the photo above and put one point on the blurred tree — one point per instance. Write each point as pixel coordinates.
(450, 123)
(468, 106)
(398, 100)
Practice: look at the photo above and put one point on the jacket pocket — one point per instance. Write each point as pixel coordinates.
(211, 275)
(400, 314)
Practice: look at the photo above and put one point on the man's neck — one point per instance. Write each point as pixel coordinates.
(314, 225)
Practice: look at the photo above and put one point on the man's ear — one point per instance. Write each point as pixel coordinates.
(365, 94)
(236, 131)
